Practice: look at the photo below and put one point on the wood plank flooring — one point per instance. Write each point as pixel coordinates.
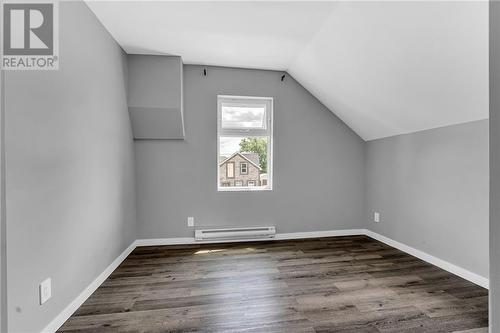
(337, 284)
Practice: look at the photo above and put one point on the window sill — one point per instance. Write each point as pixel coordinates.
(244, 189)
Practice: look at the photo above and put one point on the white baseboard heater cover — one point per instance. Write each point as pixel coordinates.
(235, 233)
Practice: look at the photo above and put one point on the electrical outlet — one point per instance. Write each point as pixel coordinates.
(376, 217)
(45, 290)
(190, 221)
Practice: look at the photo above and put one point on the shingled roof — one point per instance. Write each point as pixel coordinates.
(250, 157)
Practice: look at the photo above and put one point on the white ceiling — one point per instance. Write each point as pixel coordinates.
(385, 68)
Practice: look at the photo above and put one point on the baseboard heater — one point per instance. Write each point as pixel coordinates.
(234, 233)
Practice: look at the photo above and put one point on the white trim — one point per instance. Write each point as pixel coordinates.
(190, 241)
(447, 266)
(244, 189)
(318, 234)
(284, 236)
(165, 241)
(58, 321)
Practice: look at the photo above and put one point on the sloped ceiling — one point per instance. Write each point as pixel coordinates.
(385, 68)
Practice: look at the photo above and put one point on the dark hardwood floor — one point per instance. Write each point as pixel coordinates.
(338, 284)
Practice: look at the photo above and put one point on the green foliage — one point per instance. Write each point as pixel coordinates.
(258, 146)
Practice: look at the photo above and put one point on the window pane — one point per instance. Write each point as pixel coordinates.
(250, 154)
(243, 116)
(243, 168)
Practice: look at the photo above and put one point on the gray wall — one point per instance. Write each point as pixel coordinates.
(70, 185)
(3, 244)
(318, 163)
(495, 166)
(431, 189)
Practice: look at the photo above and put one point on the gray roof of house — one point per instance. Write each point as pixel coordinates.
(254, 157)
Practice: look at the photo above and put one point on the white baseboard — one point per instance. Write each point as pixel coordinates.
(165, 241)
(447, 266)
(58, 321)
(283, 236)
(55, 324)
(316, 234)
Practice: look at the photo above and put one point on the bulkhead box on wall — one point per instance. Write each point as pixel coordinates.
(155, 97)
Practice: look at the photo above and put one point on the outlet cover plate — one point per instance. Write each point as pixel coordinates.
(45, 290)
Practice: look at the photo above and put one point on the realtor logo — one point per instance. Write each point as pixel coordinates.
(30, 36)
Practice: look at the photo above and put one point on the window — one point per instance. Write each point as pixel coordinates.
(230, 169)
(244, 139)
(243, 168)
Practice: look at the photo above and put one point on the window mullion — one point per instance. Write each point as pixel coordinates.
(242, 133)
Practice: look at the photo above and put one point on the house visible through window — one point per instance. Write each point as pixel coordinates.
(244, 143)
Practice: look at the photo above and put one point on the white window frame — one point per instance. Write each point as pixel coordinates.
(247, 132)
